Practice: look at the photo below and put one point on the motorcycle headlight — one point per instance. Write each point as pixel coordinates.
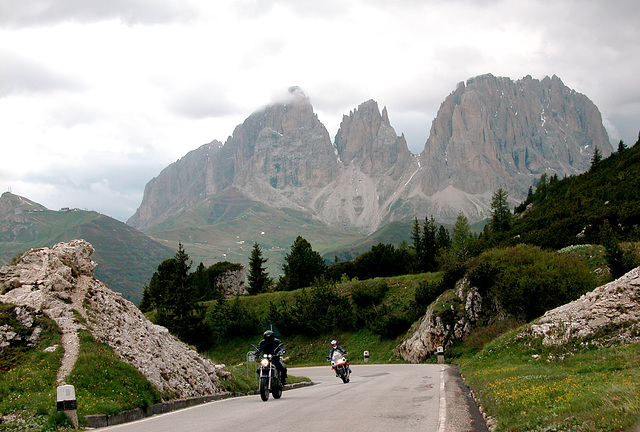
(264, 362)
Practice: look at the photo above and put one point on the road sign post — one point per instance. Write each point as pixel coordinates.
(66, 401)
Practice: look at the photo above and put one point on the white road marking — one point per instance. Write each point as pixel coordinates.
(443, 404)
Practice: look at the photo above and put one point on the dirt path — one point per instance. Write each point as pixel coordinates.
(69, 326)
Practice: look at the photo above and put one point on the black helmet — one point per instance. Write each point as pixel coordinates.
(268, 335)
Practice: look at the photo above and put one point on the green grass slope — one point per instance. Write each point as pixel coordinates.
(126, 257)
(104, 384)
(526, 386)
(567, 211)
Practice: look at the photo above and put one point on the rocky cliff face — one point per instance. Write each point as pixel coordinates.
(374, 165)
(179, 185)
(489, 133)
(281, 155)
(441, 328)
(59, 281)
(493, 132)
(232, 283)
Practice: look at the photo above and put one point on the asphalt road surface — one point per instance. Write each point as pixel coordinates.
(399, 397)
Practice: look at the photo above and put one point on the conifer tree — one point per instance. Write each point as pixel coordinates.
(258, 278)
(416, 237)
(596, 158)
(501, 214)
(461, 236)
(443, 239)
(430, 251)
(621, 146)
(302, 266)
(178, 310)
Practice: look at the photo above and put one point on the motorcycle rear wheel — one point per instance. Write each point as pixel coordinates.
(264, 389)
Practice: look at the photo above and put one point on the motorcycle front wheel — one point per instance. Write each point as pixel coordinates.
(264, 388)
(343, 375)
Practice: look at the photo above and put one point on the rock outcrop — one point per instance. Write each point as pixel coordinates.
(59, 281)
(231, 282)
(614, 307)
(489, 133)
(607, 316)
(443, 324)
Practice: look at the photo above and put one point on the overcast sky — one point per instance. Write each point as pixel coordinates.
(97, 97)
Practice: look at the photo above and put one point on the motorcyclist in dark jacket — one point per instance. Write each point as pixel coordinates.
(269, 345)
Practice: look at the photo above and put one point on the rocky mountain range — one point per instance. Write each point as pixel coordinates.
(491, 132)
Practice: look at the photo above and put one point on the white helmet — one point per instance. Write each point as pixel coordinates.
(334, 343)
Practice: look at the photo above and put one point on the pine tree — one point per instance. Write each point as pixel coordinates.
(622, 146)
(146, 303)
(200, 282)
(596, 158)
(430, 251)
(179, 310)
(416, 237)
(258, 278)
(501, 214)
(443, 239)
(461, 236)
(302, 266)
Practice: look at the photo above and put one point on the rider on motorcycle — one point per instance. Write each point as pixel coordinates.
(335, 347)
(268, 345)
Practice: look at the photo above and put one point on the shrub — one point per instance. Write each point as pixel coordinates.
(526, 281)
(314, 311)
(369, 294)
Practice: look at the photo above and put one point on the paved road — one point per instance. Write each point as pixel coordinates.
(426, 398)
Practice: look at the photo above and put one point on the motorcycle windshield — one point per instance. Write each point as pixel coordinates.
(336, 356)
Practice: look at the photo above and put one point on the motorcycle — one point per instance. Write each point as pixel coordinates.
(340, 365)
(270, 381)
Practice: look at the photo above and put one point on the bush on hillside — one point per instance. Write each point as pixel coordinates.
(227, 319)
(526, 281)
(369, 294)
(316, 310)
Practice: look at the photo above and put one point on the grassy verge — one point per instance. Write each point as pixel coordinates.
(528, 387)
(106, 385)
(28, 385)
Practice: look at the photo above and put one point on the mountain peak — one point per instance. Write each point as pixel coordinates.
(16, 204)
(495, 132)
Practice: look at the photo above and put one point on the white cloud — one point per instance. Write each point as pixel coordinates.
(108, 93)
